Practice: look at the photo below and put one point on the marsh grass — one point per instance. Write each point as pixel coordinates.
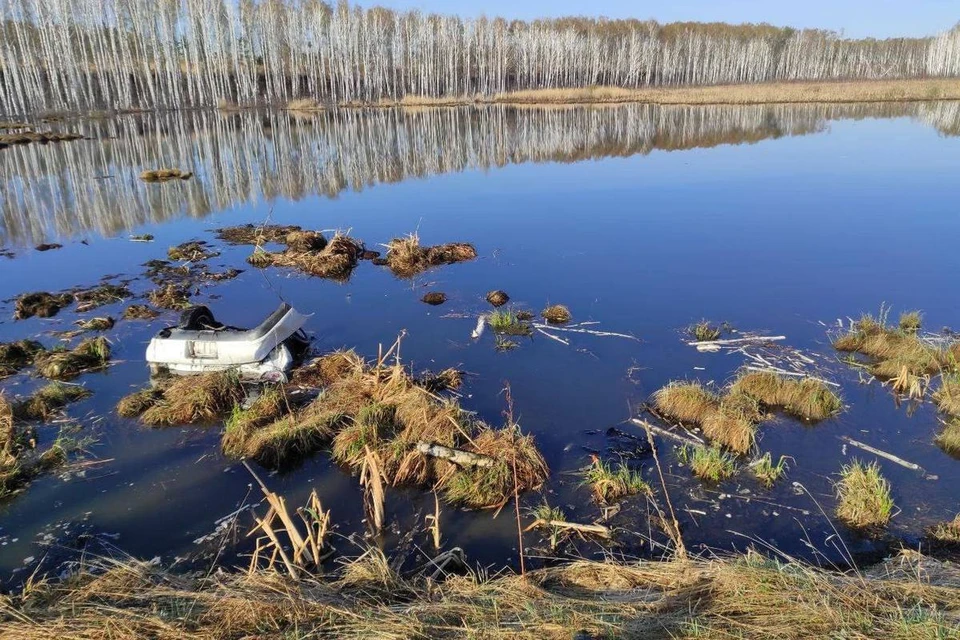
(336, 261)
(947, 396)
(102, 294)
(688, 402)
(498, 298)
(805, 398)
(260, 258)
(610, 483)
(946, 532)
(506, 323)
(910, 321)
(703, 331)
(96, 324)
(766, 471)
(546, 514)
(734, 422)
(863, 496)
(949, 437)
(170, 296)
(406, 257)
(255, 234)
(16, 356)
(710, 464)
(556, 314)
(139, 312)
(305, 240)
(91, 354)
(41, 304)
(200, 399)
(47, 402)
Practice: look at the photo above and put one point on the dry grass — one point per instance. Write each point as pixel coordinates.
(336, 261)
(327, 369)
(41, 304)
(165, 175)
(139, 312)
(947, 397)
(805, 398)
(100, 295)
(610, 483)
(15, 356)
(910, 321)
(449, 379)
(703, 331)
(894, 352)
(191, 251)
(687, 402)
(910, 597)
(946, 532)
(104, 323)
(949, 437)
(498, 298)
(863, 496)
(91, 354)
(255, 234)
(734, 423)
(407, 258)
(305, 241)
(170, 296)
(47, 402)
(200, 399)
(556, 314)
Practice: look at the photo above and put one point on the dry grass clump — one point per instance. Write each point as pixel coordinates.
(47, 402)
(688, 402)
(863, 496)
(946, 532)
(139, 312)
(170, 296)
(556, 314)
(893, 351)
(200, 399)
(15, 356)
(610, 483)
(406, 258)
(305, 241)
(102, 294)
(710, 464)
(949, 437)
(192, 251)
(164, 175)
(91, 354)
(947, 397)
(498, 298)
(805, 398)
(256, 234)
(734, 423)
(449, 379)
(40, 304)
(910, 321)
(260, 258)
(434, 298)
(703, 331)
(328, 368)
(336, 261)
(96, 324)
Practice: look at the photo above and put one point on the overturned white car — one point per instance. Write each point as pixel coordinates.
(199, 344)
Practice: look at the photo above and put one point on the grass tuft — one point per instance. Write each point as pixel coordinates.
(710, 464)
(863, 496)
(805, 398)
(688, 402)
(610, 483)
(407, 258)
(734, 423)
(200, 399)
(910, 321)
(767, 472)
(703, 331)
(41, 304)
(947, 532)
(556, 314)
(91, 354)
(48, 401)
(506, 323)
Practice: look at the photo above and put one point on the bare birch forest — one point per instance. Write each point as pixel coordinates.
(250, 156)
(71, 55)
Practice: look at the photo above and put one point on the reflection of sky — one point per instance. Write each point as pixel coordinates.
(772, 236)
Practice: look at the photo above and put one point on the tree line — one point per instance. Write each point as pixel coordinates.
(65, 55)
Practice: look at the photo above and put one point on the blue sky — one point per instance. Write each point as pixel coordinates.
(857, 18)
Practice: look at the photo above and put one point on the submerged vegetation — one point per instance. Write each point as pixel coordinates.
(41, 304)
(766, 471)
(508, 323)
(703, 331)
(863, 495)
(15, 356)
(61, 363)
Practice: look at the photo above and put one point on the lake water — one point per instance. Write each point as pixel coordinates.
(776, 219)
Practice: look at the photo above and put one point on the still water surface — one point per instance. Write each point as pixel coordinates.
(778, 219)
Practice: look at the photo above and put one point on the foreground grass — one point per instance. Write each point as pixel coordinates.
(780, 92)
(741, 597)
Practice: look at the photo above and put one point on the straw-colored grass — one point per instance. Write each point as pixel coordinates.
(610, 483)
(255, 234)
(910, 321)
(556, 314)
(165, 175)
(191, 251)
(805, 398)
(47, 401)
(687, 402)
(15, 356)
(947, 396)
(305, 241)
(336, 261)
(200, 399)
(734, 423)
(949, 437)
(893, 352)
(406, 257)
(40, 304)
(104, 323)
(946, 532)
(710, 464)
(91, 354)
(910, 597)
(863, 496)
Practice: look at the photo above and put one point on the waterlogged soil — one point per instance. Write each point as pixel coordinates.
(639, 220)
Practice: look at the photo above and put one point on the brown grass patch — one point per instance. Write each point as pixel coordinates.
(305, 241)
(170, 296)
(805, 398)
(947, 397)
(434, 298)
(498, 298)
(15, 356)
(949, 437)
(688, 402)
(893, 352)
(100, 295)
(407, 258)
(946, 532)
(139, 312)
(256, 234)
(556, 314)
(48, 401)
(200, 399)
(41, 304)
(192, 251)
(336, 261)
(91, 354)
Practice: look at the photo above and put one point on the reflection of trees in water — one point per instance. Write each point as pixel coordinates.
(93, 185)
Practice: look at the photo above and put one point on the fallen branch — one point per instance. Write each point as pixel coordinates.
(593, 529)
(882, 454)
(688, 441)
(698, 343)
(456, 456)
(551, 336)
(605, 334)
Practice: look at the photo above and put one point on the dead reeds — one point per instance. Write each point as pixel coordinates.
(200, 399)
(407, 258)
(92, 354)
(16, 356)
(40, 304)
(863, 496)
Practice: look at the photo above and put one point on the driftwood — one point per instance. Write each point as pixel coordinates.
(592, 332)
(592, 529)
(551, 336)
(456, 456)
(686, 440)
(882, 454)
(697, 343)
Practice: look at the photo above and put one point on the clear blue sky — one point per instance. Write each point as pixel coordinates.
(857, 18)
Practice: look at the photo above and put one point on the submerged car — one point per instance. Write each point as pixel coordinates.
(199, 344)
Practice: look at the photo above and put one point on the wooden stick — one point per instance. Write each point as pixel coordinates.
(882, 454)
(595, 529)
(592, 332)
(551, 336)
(697, 343)
(456, 456)
(689, 441)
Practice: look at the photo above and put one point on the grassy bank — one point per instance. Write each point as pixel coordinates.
(743, 597)
(793, 92)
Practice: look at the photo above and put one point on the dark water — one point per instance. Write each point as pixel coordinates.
(779, 219)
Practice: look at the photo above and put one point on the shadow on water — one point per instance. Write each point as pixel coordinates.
(583, 213)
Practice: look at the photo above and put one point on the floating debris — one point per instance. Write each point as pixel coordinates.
(498, 298)
(15, 356)
(556, 314)
(41, 304)
(139, 312)
(406, 258)
(143, 237)
(192, 251)
(434, 298)
(165, 175)
(48, 246)
(48, 401)
(95, 324)
(91, 354)
(863, 497)
(170, 296)
(305, 241)
(100, 295)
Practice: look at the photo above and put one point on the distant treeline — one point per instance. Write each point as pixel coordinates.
(128, 54)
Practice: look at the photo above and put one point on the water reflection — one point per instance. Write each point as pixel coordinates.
(61, 190)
